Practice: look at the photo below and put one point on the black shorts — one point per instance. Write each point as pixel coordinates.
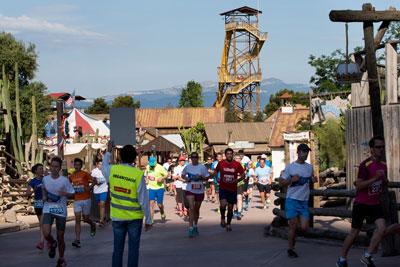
(206, 184)
(185, 200)
(230, 196)
(38, 211)
(179, 195)
(264, 188)
(60, 221)
(362, 211)
(241, 189)
(169, 181)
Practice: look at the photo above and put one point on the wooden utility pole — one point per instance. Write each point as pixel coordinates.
(368, 15)
(60, 113)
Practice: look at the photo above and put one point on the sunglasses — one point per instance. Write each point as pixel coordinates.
(380, 147)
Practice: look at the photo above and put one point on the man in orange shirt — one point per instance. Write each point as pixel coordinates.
(80, 182)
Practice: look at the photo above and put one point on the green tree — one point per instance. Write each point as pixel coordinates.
(324, 78)
(99, 107)
(191, 96)
(275, 101)
(12, 51)
(125, 102)
(331, 144)
(43, 106)
(259, 117)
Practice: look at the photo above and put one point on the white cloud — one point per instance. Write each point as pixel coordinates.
(26, 24)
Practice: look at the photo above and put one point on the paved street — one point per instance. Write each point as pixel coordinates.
(167, 244)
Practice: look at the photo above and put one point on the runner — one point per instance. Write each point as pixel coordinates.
(251, 182)
(55, 190)
(35, 185)
(177, 176)
(100, 191)
(170, 181)
(207, 184)
(297, 176)
(216, 179)
(372, 176)
(241, 189)
(194, 174)
(156, 176)
(263, 175)
(129, 204)
(229, 170)
(243, 158)
(209, 166)
(80, 181)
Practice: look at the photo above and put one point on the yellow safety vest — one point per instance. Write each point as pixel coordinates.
(124, 182)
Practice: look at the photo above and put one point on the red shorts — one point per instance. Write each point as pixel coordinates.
(197, 197)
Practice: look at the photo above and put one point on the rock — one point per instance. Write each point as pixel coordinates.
(17, 207)
(23, 225)
(2, 219)
(11, 216)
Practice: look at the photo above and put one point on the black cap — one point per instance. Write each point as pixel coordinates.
(303, 147)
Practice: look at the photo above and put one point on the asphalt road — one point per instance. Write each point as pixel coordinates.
(167, 244)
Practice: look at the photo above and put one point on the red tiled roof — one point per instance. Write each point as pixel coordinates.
(286, 95)
(57, 95)
(285, 123)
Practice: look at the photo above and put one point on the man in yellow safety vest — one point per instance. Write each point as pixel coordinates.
(129, 203)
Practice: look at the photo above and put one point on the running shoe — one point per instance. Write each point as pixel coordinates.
(228, 228)
(223, 224)
(48, 245)
(268, 200)
(76, 243)
(340, 263)
(52, 250)
(213, 200)
(292, 253)
(368, 261)
(190, 233)
(265, 207)
(239, 216)
(93, 229)
(195, 231)
(40, 246)
(246, 205)
(176, 208)
(163, 216)
(180, 213)
(235, 215)
(61, 263)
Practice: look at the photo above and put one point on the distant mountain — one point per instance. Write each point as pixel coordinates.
(161, 98)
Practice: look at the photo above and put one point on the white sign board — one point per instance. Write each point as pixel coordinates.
(243, 144)
(296, 136)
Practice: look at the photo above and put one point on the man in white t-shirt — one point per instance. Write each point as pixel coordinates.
(243, 158)
(55, 190)
(100, 191)
(194, 174)
(178, 183)
(167, 164)
(297, 176)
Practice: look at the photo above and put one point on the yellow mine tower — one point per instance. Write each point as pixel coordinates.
(240, 73)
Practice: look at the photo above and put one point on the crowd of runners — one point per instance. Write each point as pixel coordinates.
(228, 181)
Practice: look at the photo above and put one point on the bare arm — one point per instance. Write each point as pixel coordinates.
(29, 191)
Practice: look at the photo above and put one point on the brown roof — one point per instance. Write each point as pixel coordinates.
(255, 132)
(174, 117)
(284, 123)
(245, 9)
(161, 145)
(258, 149)
(286, 95)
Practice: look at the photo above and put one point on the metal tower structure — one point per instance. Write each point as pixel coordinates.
(240, 73)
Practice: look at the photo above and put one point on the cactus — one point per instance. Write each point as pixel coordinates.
(96, 137)
(3, 91)
(6, 98)
(88, 136)
(34, 130)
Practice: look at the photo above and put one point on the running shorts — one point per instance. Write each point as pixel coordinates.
(197, 197)
(241, 189)
(38, 211)
(230, 196)
(82, 206)
(101, 197)
(179, 195)
(363, 211)
(156, 194)
(61, 221)
(264, 188)
(296, 208)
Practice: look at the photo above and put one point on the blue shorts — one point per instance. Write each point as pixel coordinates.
(230, 196)
(295, 208)
(156, 194)
(101, 197)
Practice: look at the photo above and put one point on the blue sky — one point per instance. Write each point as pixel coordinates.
(110, 47)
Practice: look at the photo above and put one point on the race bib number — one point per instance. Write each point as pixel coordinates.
(196, 186)
(152, 178)
(56, 209)
(375, 188)
(251, 180)
(228, 179)
(101, 180)
(38, 204)
(264, 181)
(79, 189)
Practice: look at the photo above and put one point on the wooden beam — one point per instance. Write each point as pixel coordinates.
(363, 16)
